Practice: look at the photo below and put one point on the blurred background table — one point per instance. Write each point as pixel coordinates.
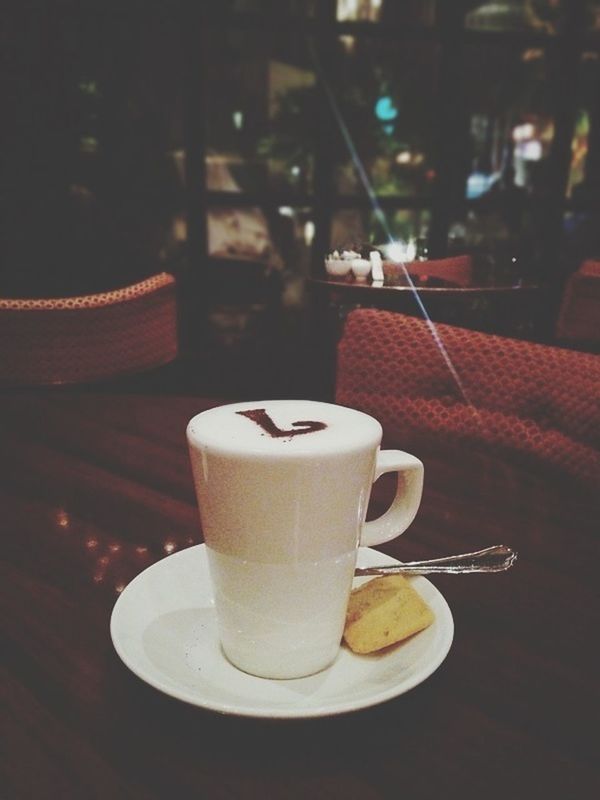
(495, 305)
(500, 307)
(96, 487)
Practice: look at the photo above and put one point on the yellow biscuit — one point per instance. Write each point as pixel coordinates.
(382, 612)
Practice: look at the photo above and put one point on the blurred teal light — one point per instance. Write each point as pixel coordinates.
(385, 110)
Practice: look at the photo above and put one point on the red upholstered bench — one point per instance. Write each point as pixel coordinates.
(523, 401)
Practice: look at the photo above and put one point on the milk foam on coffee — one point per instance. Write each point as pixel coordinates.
(284, 428)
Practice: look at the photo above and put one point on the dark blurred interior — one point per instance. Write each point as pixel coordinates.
(206, 140)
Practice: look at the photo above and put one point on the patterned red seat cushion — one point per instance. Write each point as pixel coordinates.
(88, 338)
(590, 267)
(525, 401)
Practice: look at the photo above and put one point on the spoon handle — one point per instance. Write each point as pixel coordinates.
(493, 559)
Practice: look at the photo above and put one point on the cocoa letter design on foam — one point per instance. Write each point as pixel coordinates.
(260, 416)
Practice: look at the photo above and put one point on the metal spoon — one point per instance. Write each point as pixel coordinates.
(493, 559)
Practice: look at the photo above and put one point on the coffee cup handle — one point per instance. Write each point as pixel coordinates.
(405, 504)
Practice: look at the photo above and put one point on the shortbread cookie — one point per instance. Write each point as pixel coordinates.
(384, 611)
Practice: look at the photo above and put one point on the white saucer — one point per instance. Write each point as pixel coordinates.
(163, 627)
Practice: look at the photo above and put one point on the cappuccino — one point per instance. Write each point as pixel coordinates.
(284, 428)
(283, 488)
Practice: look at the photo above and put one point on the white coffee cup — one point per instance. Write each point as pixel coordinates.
(283, 488)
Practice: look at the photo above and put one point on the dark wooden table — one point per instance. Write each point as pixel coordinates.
(494, 304)
(95, 488)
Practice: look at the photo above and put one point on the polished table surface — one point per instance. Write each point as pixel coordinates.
(365, 286)
(505, 301)
(95, 487)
